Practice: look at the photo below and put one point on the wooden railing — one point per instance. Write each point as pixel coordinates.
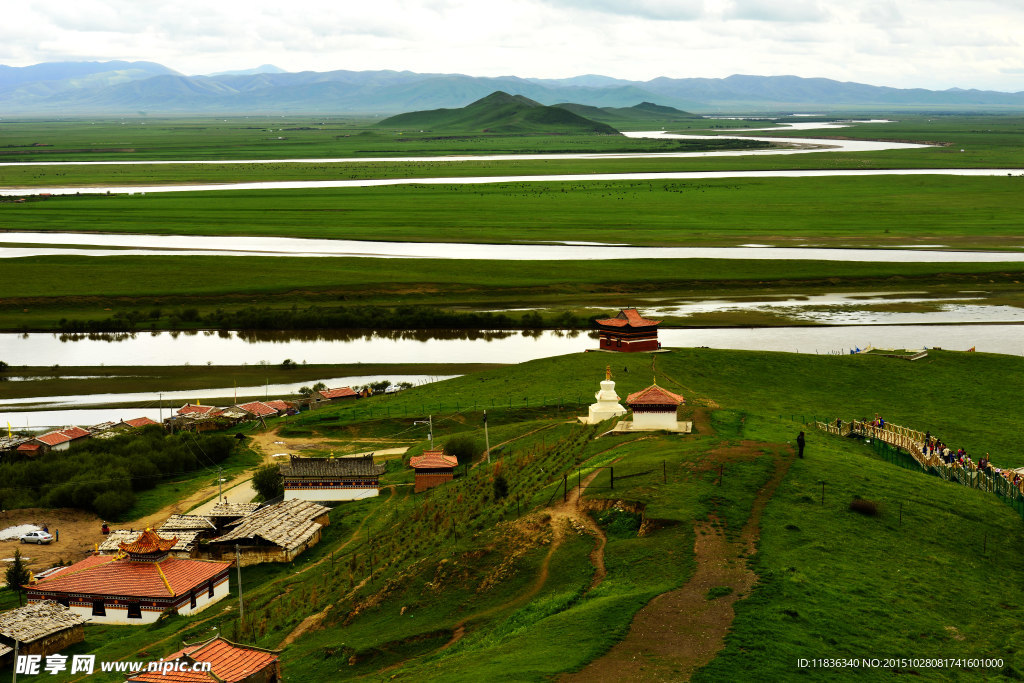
(910, 440)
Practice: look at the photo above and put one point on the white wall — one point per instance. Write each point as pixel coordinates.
(654, 420)
(348, 493)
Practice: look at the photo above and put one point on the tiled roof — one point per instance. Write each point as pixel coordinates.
(341, 392)
(655, 395)
(288, 524)
(229, 662)
(278, 404)
(75, 432)
(37, 620)
(628, 317)
(111, 575)
(147, 543)
(187, 540)
(140, 422)
(189, 409)
(232, 509)
(357, 466)
(29, 447)
(186, 523)
(433, 459)
(54, 438)
(258, 408)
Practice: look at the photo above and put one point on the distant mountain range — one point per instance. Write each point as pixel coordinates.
(130, 87)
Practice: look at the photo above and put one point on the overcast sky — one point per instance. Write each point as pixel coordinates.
(933, 44)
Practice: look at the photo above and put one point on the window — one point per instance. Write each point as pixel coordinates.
(134, 610)
(98, 610)
(192, 595)
(209, 592)
(64, 601)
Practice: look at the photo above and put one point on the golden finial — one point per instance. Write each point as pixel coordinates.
(608, 372)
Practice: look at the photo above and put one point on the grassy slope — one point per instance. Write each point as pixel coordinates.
(812, 578)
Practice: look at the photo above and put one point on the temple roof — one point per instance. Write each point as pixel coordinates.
(433, 459)
(229, 662)
(113, 575)
(655, 395)
(149, 543)
(628, 317)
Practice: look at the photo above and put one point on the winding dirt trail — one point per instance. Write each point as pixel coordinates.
(679, 632)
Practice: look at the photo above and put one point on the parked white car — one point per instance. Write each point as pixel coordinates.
(37, 537)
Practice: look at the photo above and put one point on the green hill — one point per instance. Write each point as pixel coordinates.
(500, 112)
(645, 112)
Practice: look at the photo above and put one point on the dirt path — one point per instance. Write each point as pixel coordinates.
(681, 631)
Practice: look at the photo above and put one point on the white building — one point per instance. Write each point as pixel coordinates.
(331, 479)
(607, 405)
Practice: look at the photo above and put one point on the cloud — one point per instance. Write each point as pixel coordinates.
(659, 10)
(776, 10)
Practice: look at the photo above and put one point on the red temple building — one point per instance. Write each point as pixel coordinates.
(136, 585)
(629, 331)
(433, 468)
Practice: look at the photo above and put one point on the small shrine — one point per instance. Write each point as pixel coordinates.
(628, 331)
(654, 409)
(433, 468)
(607, 405)
(332, 479)
(135, 586)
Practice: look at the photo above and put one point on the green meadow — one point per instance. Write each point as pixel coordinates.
(458, 584)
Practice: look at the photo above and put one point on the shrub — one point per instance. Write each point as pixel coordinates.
(268, 482)
(463, 447)
(500, 487)
(864, 507)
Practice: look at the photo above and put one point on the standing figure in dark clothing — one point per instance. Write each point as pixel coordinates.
(800, 444)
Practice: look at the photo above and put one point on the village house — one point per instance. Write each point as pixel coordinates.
(222, 514)
(628, 332)
(276, 533)
(229, 663)
(42, 628)
(433, 468)
(325, 396)
(331, 479)
(135, 586)
(59, 440)
(258, 410)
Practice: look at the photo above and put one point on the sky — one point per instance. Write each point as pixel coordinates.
(935, 44)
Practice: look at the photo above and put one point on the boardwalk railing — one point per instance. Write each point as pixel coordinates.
(904, 447)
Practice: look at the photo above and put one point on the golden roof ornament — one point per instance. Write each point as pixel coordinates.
(608, 372)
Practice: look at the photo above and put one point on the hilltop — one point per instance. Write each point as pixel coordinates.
(645, 112)
(500, 112)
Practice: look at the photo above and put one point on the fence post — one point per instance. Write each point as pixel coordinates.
(612, 470)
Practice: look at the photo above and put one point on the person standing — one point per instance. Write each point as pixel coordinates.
(800, 444)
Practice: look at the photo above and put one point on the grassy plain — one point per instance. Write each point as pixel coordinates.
(831, 583)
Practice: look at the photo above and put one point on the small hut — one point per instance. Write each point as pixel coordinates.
(433, 468)
(41, 628)
(276, 533)
(655, 408)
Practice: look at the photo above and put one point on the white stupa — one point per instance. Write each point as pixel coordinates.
(607, 402)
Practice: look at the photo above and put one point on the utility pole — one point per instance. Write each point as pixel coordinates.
(161, 407)
(241, 611)
(487, 439)
(430, 426)
(14, 663)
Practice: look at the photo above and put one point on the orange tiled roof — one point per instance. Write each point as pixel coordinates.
(29, 447)
(108, 575)
(258, 408)
(431, 459)
(278, 404)
(229, 662)
(189, 409)
(628, 317)
(75, 432)
(341, 392)
(54, 438)
(655, 395)
(140, 422)
(149, 542)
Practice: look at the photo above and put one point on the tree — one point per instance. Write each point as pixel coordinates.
(500, 487)
(268, 482)
(464, 447)
(17, 574)
(305, 391)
